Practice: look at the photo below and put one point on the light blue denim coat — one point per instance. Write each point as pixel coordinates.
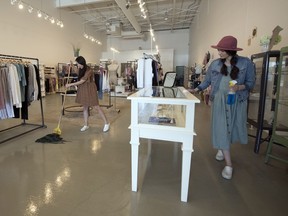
(246, 76)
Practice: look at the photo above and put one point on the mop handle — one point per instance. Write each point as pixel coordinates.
(64, 98)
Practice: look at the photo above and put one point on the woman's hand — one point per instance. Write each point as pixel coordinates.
(193, 91)
(237, 87)
(68, 85)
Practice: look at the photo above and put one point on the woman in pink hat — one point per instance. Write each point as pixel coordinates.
(231, 78)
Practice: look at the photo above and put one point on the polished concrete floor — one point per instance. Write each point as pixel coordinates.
(90, 174)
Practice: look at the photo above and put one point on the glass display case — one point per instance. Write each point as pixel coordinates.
(261, 104)
(281, 108)
(164, 114)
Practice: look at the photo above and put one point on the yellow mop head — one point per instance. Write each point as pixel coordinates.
(57, 130)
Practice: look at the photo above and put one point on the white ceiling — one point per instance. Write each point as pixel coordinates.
(115, 17)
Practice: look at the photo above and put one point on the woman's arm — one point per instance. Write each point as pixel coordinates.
(250, 78)
(75, 83)
(73, 68)
(247, 79)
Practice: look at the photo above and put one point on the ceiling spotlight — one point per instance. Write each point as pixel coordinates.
(39, 14)
(128, 4)
(86, 35)
(52, 20)
(166, 16)
(30, 9)
(20, 5)
(46, 16)
(13, 2)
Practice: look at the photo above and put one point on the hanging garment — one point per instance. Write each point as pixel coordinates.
(154, 66)
(140, 73)
(144, 73)
(105, 83)
(33, 89)
(148, 73)
(99, 82)
(15, 86)
(22, 80)
(6, 109)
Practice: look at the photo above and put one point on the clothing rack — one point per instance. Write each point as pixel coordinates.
(145, 55)
(37, 126)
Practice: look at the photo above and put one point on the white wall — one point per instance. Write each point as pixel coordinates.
(166, 41)
(24, 34)
(218, 18)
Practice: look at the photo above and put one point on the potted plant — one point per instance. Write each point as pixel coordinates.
(76, 50)
(265, 42)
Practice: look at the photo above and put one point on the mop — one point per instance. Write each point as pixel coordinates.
(55, 137)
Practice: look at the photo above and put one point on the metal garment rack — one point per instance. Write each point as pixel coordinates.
(109, 105)
(12, 57)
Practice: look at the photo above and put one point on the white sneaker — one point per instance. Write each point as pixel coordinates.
(219, 156)
(106, 127)
(84, 128)
(227, 172)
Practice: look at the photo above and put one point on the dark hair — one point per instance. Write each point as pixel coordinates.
(235, 70)
(81, 60)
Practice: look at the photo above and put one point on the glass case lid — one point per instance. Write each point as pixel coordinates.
(161, 92)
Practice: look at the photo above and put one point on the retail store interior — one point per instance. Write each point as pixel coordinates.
(126, 171)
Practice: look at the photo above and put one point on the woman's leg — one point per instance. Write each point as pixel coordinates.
(85, 115)
(227, 157)
(228, 170)
(102, 114)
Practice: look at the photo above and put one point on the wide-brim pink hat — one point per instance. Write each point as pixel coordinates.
(227, 43)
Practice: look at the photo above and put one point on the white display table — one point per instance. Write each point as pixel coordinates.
(163, 114)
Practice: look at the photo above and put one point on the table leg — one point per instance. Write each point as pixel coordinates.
(187, 150)
(134, 162)
(117, 110)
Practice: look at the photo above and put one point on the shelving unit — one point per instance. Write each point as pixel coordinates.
(261, 104)
(51, 81)
(182, 76)
(281, 110)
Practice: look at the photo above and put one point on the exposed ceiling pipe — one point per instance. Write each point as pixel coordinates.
(173, 15)
(129, 15)
(69, 3)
